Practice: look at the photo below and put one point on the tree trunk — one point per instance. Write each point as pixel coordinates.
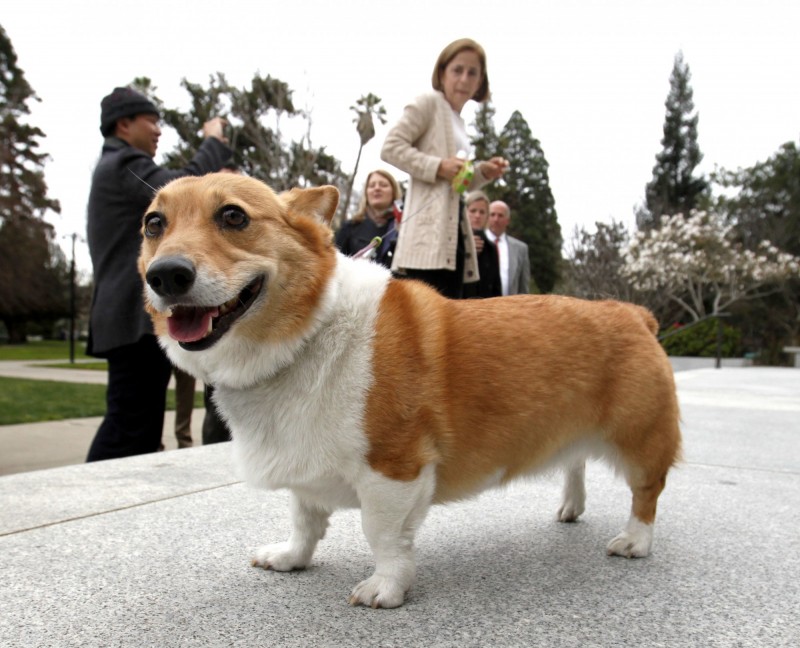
(346, 204)
(17, 331)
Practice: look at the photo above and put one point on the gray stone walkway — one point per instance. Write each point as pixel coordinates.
(154, 551)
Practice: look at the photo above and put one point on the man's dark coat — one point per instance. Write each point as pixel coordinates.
(123, 185)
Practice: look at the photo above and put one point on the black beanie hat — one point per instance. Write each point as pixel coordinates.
(122, 102)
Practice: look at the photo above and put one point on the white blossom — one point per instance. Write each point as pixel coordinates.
(698, 262)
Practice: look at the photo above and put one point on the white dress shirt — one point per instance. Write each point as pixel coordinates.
(460, 135)
(502, 252)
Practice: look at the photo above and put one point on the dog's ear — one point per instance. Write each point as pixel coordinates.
(318, 203)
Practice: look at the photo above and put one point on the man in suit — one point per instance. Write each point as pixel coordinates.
(515, 266)
(119, 329)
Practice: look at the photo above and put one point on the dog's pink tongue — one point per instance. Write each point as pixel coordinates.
(189, 324)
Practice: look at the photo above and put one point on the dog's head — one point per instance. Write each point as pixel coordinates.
(229, 264)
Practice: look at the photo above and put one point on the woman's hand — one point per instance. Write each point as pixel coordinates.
(449, 167)
(494, 168)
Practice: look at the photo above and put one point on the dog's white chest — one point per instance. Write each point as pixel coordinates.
(304, 426)
(285, 436)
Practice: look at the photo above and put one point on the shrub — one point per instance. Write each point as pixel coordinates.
(701, 340)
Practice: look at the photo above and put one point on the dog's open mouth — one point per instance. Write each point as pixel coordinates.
(200, 327)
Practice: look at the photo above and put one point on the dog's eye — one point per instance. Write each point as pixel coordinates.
(154, 224)
(231, 217)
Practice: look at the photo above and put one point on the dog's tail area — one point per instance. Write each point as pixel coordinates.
(648, 318)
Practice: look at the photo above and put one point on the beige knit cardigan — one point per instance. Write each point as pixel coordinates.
(427, 234)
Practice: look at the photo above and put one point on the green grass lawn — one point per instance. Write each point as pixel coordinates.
(28, 401)
(42, 350)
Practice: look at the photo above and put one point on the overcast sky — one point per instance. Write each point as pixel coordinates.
(590, 77)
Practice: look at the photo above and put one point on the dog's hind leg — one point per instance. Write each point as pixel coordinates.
(646, 473)
(573, 501)
(391, 512)
(637, 536)
(309, 523)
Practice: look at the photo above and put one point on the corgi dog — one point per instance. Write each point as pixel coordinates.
(352, 388)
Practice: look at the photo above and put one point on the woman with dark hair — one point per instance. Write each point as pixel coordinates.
(430, 143)
(375, 217)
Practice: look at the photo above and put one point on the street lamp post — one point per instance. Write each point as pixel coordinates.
(720, 338)
(72, 303)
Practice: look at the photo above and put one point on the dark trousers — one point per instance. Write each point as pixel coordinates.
(214, 428)
(184, 406)
(138, 375)
(449, 283)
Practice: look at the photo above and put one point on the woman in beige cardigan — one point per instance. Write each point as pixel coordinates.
(435, 241)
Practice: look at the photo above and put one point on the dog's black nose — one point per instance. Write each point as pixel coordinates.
(171, 276)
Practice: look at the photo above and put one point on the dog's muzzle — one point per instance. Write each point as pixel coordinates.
(194, 326)
(171, 276)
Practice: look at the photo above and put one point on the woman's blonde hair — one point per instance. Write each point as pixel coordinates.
(475, 196)
(362, 204)
(449, 53)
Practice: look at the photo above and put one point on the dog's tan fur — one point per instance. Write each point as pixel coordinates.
(290, 241)
(505, 384)
(482, 391)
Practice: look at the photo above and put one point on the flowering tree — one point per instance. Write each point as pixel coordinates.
(698, 263)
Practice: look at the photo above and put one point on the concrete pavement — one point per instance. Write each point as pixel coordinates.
(49, 444)
(40, 370)
(154, 551)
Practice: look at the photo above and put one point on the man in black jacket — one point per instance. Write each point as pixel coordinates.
(120, 330)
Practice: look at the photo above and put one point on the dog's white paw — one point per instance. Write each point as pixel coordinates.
(378, 592)
(279, 557)
(634, 542)
(570, 510)
(573, 501)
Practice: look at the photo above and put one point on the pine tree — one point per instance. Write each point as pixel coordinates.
(674, 188)
(485, 142)
(766, 205)
(24, 191)
(32, 267)
(526, 190)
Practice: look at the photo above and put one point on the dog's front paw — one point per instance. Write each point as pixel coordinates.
(569, 511)
(279, 557)
(633, 542)
(377, 592)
